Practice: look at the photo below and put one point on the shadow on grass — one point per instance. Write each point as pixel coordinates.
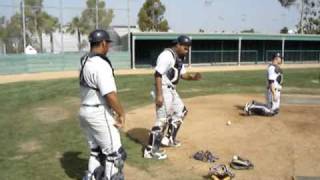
(73, 165)
(139, 135)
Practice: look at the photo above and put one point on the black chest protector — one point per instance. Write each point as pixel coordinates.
(83, 61)
(279, 73)
(174, 73)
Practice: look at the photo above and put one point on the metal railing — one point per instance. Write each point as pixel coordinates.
(222, 56)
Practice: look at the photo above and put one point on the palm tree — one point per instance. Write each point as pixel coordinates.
(76, 26)
(50, 24)
(287, 3)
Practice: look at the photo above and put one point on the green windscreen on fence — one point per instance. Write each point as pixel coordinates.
(21, 63)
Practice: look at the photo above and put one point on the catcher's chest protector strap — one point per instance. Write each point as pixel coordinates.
(83, 62)
(174, 73)
(279, 73)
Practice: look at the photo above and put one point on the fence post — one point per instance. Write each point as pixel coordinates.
(282, 51)
(239, 51)
(190, 48)
(133, 52)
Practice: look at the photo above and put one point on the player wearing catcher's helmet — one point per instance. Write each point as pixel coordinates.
(274, 86)
(99, 104)
(170, 110)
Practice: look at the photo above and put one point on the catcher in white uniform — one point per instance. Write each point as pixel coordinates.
(99, 105)
(170, 110)
(274, 86)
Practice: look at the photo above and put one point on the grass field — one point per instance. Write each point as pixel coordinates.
(41, 138)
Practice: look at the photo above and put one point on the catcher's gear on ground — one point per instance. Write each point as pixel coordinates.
(205, 156)
(220, 172)
(98, 36)
(239, 163)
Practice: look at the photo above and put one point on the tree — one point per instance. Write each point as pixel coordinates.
(50, 24)
(151, 16)
(88, 16)
(309, 15)
(286, 3)
(284, 30)
(39, 21)
(2, 28)
(76, 26)
(12, 34)
(248, 31)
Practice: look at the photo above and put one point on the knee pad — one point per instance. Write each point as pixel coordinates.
(174, 126)
(117, 158)
(162, 123)
(97, 153)
(180, 115)
(175, 122)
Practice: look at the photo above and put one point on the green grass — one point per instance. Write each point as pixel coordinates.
(63, 153)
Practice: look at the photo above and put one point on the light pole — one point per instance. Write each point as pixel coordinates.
(129, 45)
(97, 18)
(23, 25)
(61, 26)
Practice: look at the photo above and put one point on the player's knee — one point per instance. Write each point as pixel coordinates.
(117, 158)
(175, 122)
(179, 117)
(161, 123)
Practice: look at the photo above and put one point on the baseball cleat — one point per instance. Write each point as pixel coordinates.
(168, 142)
(159, 155)
(246, 109)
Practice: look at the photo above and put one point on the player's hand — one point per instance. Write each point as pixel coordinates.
(196, 76)
(159, 100)
(120, 121)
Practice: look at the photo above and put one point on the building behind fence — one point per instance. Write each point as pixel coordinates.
(211, 49)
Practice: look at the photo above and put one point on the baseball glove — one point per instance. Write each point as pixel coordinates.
(197, 76)
(239, 163)
(205, 156)
(219, 172)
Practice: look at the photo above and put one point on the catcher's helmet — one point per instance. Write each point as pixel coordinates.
(183, 40)
(99, 35)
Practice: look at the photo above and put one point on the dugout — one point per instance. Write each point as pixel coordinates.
(215, 49)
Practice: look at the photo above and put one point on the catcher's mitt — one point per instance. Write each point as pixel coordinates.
(239, 163)
(219, 172)
(196, 76)
(205, 156)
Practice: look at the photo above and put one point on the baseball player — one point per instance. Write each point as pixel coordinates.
(101, 114)
(170, 110)
(274, 86)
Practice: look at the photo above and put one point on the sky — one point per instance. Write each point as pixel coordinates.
(188, 16)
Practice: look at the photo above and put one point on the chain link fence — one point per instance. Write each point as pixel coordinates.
(59, 26)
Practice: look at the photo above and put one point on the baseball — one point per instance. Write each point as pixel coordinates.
(229, 123)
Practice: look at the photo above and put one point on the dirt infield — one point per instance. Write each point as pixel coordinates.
(280, 147)
(71, 74)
